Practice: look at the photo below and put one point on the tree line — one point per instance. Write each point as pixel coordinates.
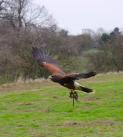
(23, 26)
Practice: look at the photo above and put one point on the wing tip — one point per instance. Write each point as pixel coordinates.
(33, 48)
(37, 54)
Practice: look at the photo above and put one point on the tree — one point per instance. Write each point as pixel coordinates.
(20, 14)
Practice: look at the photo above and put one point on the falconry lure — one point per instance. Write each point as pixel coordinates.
(59, 76)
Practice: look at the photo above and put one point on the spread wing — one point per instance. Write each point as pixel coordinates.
(77, 76)
(46, 61)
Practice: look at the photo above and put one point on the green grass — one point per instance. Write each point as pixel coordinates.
(45, 110)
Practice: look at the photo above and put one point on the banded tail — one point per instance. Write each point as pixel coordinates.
(84, 89)
(87, 90)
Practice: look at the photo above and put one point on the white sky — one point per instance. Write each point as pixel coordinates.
(75, 15)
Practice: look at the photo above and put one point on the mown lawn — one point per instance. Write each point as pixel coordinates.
(45, 110)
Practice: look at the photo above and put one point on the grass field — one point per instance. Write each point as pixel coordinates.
(43, 109)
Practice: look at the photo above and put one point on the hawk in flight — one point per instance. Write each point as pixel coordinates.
(58, 75)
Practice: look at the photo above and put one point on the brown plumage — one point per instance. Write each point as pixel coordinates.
(58, 75)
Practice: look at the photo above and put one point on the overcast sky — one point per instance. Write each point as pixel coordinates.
(75, 15)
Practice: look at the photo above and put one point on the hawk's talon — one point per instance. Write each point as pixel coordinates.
(73, 94)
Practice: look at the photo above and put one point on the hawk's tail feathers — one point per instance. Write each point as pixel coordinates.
(85, 89)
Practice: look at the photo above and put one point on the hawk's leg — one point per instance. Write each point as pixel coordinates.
(73, 95)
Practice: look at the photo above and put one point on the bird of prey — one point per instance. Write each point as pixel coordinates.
(58, 75)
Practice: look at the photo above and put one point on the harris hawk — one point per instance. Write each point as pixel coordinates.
(59, 76)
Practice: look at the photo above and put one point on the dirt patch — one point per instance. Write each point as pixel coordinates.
(26, 104)
(71, 123)
(91, 99)
(106, 123)
(55, 97)
(92, 123)
(40, 136)
(47, 110)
